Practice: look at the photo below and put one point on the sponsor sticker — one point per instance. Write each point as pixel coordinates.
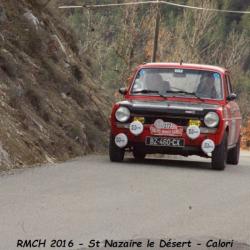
(194, 122)
(216, 76)
(139, 119)
(165, 128)
(180, 71)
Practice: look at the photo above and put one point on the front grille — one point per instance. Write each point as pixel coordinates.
(178, 120)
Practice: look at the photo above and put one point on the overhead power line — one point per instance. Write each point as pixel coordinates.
(201, 8)
(106, 5)
(154, 2)
(71, 6)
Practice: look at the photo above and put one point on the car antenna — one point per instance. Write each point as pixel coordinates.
(181, 62)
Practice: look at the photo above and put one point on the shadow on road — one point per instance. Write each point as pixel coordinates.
(171, 163)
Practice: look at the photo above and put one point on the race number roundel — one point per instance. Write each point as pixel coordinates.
(136, 127)
(193, 132)
(159, 123)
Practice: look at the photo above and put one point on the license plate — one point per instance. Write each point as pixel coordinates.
(164, 141)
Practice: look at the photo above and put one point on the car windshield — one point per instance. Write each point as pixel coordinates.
(178, 82)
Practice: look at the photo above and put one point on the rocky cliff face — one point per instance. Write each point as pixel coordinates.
(51, 108)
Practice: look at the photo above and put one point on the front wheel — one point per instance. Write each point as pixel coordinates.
(116, 154)
(219, 155)
(234, 154)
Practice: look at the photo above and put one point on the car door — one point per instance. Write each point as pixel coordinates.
(234, 115)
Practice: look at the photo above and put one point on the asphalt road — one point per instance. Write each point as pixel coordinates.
(91, 198)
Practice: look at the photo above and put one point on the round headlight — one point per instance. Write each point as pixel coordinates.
(122, 114)
(211, 119)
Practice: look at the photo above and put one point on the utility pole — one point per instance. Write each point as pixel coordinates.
(156, 36)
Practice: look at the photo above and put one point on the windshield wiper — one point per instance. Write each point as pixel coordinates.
(184, 92)
(148, 91)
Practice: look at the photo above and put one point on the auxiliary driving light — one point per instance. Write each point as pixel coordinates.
(136, 127)
(207, 146)
(193, 131)
(121, 140)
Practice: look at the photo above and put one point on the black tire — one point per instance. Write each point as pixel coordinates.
(219, 155)
(138, 154)
(116, 154)
(234, 154)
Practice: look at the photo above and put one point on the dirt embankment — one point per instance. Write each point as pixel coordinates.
(51, 108)
(246, 136)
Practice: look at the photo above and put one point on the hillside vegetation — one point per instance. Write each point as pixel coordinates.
(51, 106)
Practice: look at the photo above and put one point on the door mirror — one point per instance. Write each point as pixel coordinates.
(232, 97)
(123, 90)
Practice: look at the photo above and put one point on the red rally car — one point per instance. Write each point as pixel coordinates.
(176, 108)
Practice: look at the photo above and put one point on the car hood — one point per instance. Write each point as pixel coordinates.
(173, 107)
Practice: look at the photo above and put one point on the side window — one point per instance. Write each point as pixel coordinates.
(229, 85)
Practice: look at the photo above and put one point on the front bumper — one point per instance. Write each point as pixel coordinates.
(191, 146)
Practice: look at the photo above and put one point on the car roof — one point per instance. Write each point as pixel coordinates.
(184, 66)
